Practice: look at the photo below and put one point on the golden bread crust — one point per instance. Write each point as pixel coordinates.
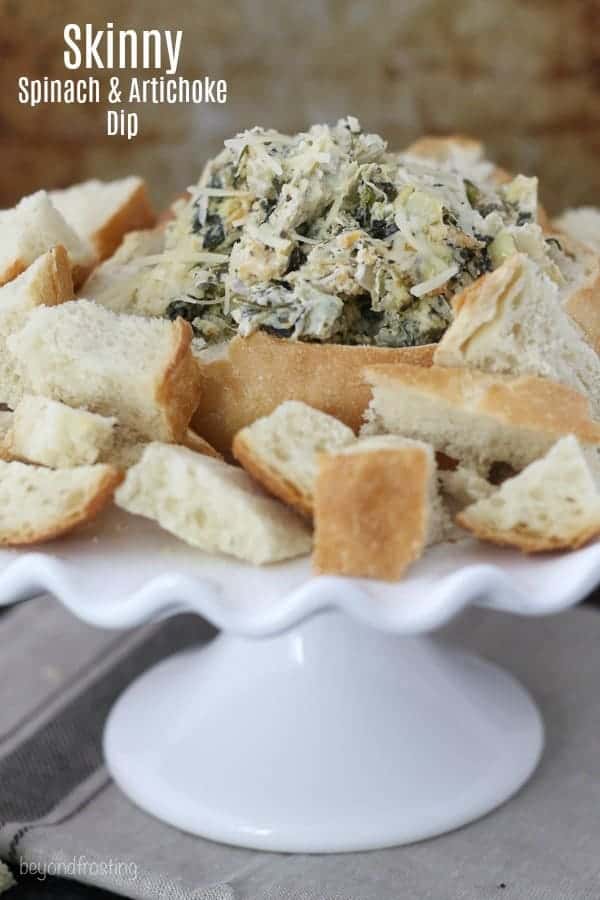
(527, 401)
(17, 267)
(55, 282)
(526, 541)
(269, 478)
(135, 214)
(371, 512)
(179, 389)
(263, 371)
(194, 442)
(107, 483)
(583, 305)
(440, 147)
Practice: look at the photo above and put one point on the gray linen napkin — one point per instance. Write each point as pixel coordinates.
(60, 813)
(6, 879)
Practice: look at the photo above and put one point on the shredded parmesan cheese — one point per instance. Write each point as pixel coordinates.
(433, 284)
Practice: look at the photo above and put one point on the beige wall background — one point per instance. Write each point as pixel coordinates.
(524, 76)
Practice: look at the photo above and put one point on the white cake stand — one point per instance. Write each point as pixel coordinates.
(324, 718)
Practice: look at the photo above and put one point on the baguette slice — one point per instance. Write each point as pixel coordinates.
(553, 504)
(260, 372)
(38, 504)
(102, 212)
(211, 505)
(512, 321)
(32, 228)
(52, 434)
(581, 224)
(140, 370)
(475, 417)
(47, 282)
(376, 508)
(280, 450)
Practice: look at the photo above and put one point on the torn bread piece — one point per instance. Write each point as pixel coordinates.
(140, 370)
(138, 244)
(258, 373)
(280, 450)
(457, 151)
(474, 417)
(32, 228)
(47, 282)
(211, 505)
(553, 504)
(101, 212)
(581, 224)
(52, 434)
(512, 321)
(38, 504)
(115, 282)
(581, 291)
(461, 487)
(376, 508)
(127, 447)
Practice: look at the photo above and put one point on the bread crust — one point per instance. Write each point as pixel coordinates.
(78, 273)
(136, 213)
(528, 543)
(526, 401)
(583, 305)
(105, 488)
(371, 512)
(262, 371)
(440, 147)
(194, 442)
(178, 391)
(272, 480)
(55, 283)
(476, 307)
(81, 274)
(16, 268)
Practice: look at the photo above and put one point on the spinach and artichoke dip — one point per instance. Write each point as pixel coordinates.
(327, 236)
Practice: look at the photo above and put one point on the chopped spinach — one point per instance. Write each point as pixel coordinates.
(183, 309)
(473, 193)
(214, 233)
(297, 259)
(278, 332)
(380, 229)
(388, 189)
(524, 218)
(348, 196)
